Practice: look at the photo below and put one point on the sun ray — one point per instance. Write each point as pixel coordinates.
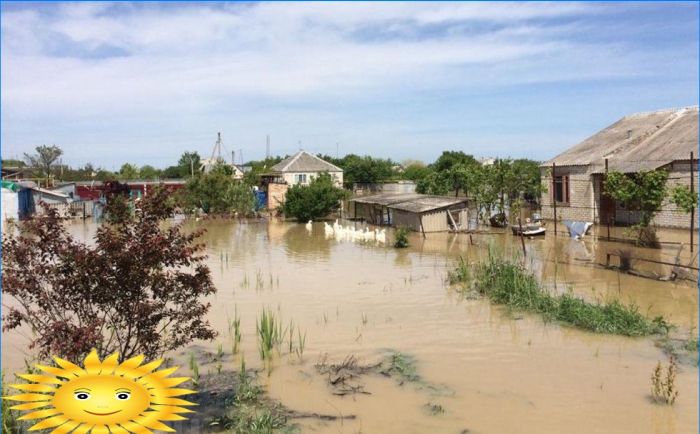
(66, 427)
(171, 409)
(129, 364)
(30, 405)
(148, 367)
(149, 420)
(58, 372)
(136, 428)
(92, 363)
(116, 429)
(69, 367)
(100, 429)
(40, 378)
(40, 414)
(175, 381)
(33, 387)
(29, 397)
(109, 364)
(83, 429)
(49, 423)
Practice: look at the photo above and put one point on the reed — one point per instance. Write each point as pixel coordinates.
(509, 283)
(194, 368)
(234, 331)
(268, 330)
(301, 344)
(663, 390)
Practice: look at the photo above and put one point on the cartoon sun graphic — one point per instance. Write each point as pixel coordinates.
(103, 397)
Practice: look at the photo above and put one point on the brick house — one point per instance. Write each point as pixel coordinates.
(662, 139)
(300, 168)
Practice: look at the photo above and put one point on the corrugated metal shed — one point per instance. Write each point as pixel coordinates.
(642, 141)
(425, 204)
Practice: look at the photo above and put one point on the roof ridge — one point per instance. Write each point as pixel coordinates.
(295, 157)
(324, 161)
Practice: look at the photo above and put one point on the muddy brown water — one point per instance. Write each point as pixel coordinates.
(493, 371)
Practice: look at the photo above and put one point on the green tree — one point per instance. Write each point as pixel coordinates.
(415, 170)
(451, 158)
(313, 201)
(683, 198)
(44, 158)
(189, 164)
(217, 192)
(128, 171)
(643, 191)
(149, 172)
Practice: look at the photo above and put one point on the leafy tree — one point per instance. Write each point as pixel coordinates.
(172, 172)
(643, 191)
(128, 171)
(137, 288)
(683, 198)
(434, 183)
(451, 158)
(415, 170)
(189, 164)
(313, 201)
(148, 172)
(9, 162)
(363, 169)
(44, 158)
(257, 168)
(217, 192)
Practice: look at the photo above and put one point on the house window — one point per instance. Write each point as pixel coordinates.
(300, 178)
(560, 189)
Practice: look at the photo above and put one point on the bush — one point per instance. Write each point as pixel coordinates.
(313, 201)
(401, 238)
(134, 289)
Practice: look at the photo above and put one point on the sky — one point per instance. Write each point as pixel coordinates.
(119, 82)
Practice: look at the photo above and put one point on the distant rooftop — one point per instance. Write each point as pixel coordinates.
(411, 202)
(303, 161)
(641, 141)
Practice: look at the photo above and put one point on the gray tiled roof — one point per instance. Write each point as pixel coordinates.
(642, 141)
(303, 161)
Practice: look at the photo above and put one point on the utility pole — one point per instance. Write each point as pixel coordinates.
(603, 187)
(554, 195)
(267, 148)
(692, 209)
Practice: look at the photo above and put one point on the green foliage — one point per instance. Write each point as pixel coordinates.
(218, 193)
(10, 424)
(364, 169)
(128, 171)
(401, 238)
(269, 334)
(644, 191)
(415, 171)
(682, 197)
(258, 168)
(315, 200)
(189, 164)
(509, 284)
(148, 172)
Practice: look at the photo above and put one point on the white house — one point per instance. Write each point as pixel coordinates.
(302, 167)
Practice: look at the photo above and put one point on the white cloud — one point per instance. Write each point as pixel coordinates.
(101, 62)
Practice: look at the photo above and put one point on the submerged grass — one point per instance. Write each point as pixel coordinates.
(510, 284)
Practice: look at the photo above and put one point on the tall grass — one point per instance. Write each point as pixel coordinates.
(269, 333)
(509, 283)
(234, 331)
(10, 424)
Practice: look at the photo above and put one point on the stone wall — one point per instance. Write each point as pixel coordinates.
(276, 195)
(582, 198)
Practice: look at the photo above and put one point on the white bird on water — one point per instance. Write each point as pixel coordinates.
(328, 230)
(309, 226)
(381, 235)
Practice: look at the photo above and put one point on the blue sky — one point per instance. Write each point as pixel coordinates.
(142, 83)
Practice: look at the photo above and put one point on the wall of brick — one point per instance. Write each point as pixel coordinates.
(276, 195)
(585, 190)
(582, 204)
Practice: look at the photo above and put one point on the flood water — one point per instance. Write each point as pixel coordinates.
(493, 371)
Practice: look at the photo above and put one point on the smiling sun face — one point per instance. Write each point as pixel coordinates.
(104, 397)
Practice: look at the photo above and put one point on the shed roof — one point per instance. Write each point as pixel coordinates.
(303, 161)
(411, 202)
(642, 141)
